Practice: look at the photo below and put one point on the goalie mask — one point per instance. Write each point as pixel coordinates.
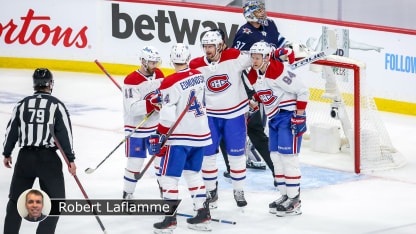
(260, 48)
(149, 53)
(254, 12)
(180, 54)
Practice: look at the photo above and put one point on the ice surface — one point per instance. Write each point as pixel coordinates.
(334, 199)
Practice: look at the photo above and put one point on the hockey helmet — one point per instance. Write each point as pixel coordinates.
(149, 53)
(42, 77)
(254, 11)
(180, 54)
(212, 37)
(261, 47)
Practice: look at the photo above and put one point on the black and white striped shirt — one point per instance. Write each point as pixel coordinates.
(29, 124)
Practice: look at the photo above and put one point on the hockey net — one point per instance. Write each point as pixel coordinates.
(339, 102)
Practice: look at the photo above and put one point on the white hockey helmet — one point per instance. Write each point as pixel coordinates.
(254, 11)
(180, 53)
(261, 47)
(212, 38)
(149, 53)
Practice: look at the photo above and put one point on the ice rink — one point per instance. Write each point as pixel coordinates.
(334, 199)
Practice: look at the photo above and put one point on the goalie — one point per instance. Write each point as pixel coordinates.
(285, 98)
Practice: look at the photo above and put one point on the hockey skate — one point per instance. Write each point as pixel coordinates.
(275, 203)
(202, 220)
(167, 225)
(239, 198)
(128, 197)
(289, 207)
(212, 197)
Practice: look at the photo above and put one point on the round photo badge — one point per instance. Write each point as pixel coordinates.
(34, 205)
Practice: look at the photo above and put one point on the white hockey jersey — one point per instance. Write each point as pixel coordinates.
(225, 94)
(177, 90)
(137, 89)
(279, 88)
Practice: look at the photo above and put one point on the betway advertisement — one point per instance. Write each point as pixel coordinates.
(115, 31)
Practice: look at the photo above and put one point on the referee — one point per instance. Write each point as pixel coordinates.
(37, 157)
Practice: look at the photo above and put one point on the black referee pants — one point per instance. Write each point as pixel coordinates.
(31, 163)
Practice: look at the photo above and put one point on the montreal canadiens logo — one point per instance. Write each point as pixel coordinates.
(218, 83)
(266, 96)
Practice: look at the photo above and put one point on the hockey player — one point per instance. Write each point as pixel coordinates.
(285, 98)
(227, 104)
(258, 28)
(139, 99)
(185, 146)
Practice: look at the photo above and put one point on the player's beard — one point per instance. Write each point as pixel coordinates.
(151, 70)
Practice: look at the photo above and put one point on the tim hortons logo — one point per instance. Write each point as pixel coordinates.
(41, 33)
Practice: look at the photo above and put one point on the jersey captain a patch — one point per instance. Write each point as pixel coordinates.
(218, 83)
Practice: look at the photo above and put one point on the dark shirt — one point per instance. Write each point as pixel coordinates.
(35, 219)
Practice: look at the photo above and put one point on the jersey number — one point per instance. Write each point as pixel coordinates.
(128, 93)
(39, 114)
(288, 79)
(195, 105)
(239, 45)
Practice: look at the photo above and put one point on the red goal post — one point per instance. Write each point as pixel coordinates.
(371, 145)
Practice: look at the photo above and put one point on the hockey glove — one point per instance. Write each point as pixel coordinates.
(156, 141)
(298, 124)
(156, 101)
(285, 54)
(253, 106)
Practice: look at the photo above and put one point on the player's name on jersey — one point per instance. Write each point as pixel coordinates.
(192, 82)
(113, 207)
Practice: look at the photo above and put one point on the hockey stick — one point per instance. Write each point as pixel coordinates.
(51, 128)
(332, 48)
(91, 170)
(109, 76)
(140, 175)
(215, 220)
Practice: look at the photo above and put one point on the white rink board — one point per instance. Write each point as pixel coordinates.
(391, 72)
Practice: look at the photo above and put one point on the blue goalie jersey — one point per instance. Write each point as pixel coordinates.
(247, 35)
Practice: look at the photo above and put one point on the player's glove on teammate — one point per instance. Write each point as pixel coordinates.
(298, 124)
(156, 141)
(156, 101)
(285, 54)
